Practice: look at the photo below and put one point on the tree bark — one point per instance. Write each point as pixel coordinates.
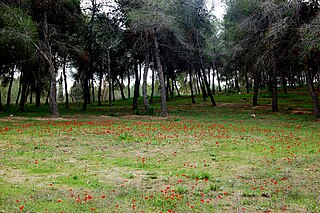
(213, 84)
(52, 98)
(129, 83)
(123, 97)
(204, 92)
(164, 110)
(86, 92)
(92, 89)
(1, 107)
(100, 87)
(284, 82)
(65, 81)
(23, 96)
(274, 89)
(174, 81)
(19, 90)
(191, 86)
(218, 79)
(10, 87)
(256, 79)
(144, 84)
(109, 77)
(152, 84)
(38, 91)
(312, 91)
(136, 87)
(208, 88)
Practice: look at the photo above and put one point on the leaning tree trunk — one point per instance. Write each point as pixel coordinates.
(23, 96)
(203, 89)
(176, 86)
(47, 54)
(10, 87)
(164, 110)
(144, 84)
(19, 90)
(208, 88)
(313, 92)
(123, 97)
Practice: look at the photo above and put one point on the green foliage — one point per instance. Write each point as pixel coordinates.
(18, 33)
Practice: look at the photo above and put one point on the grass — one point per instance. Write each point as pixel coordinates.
(200, 159)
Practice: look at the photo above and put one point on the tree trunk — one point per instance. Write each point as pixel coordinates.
(123, 97)
(247, 83)
(47, 54)
(152, 84)
(191, 86)
(129, 84)
(236, 81)
(1, 107)
(284, 83)
(52, 98)
(65, 81)
(31, 96)
(256, 79)
(38, 91)
(174, 81)
(274, 90)
(10, 87)
(144, 84)
(19, 90)
(168, 87)
(23, 96)
(86, 92)
(312, 92)
(164, 110)
(48, 95)
(109, 77)
(100, 87)
(218, 79)
(213, 84)
(136, 87)
(113, 91)
(208, 88)
(92, 90)
(202, 85)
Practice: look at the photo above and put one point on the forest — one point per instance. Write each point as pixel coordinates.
(159, 106)
(115, 46)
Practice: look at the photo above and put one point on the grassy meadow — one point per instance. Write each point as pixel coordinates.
(200, 159)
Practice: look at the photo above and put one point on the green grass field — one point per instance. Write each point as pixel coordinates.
(200, 159)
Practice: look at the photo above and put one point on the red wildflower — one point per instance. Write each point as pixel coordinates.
(21, 207)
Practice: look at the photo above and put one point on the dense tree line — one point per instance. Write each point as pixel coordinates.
(259, 44)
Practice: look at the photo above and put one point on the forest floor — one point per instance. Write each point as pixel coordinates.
(229, 158)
